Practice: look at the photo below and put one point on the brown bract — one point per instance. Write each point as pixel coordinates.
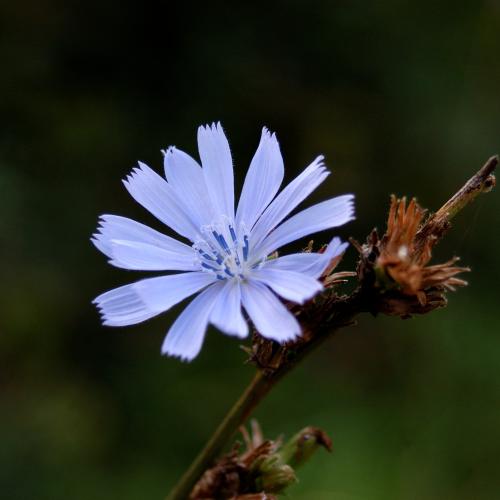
(394, 276)
(403, 264)
(314, 315)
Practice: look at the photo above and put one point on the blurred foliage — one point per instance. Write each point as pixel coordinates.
(400, 96)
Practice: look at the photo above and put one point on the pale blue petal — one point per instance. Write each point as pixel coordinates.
(186, 177)
(262, 181)
(290, 285)
(270, 317)
(311, 263)
(143, 257)
(293, 194)
(153, 193)
(163, 292)
(325, 215)
(335, 248)
(217, 168)
(122, 306)
(185, 337)
(144, 299)
(226, 314)
(131, 245)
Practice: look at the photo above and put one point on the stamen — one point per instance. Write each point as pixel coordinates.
(204, 254)
(236, 258)
(207, 266)
(222, 252)
(221, 240)
(233, 234)
(245, 248)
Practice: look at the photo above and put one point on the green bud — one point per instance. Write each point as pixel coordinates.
(273, 471)
(302, 446)
(273, 475)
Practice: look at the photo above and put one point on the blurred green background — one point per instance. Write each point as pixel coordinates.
(400, 96)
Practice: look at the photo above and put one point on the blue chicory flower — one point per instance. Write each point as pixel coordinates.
(226, 257)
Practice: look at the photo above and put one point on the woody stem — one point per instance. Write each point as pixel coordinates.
(437, 224)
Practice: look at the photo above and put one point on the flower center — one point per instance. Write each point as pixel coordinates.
(223, 250)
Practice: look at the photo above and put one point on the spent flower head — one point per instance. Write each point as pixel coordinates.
(406, 263)
(224, 252)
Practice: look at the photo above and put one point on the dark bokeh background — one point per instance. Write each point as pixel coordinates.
(400, 96)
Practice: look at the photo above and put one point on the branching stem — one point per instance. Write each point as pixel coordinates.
(343, 314)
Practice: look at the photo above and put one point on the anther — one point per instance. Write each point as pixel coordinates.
(245, 247)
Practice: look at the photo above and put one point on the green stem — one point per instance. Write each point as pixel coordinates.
(258, 388)
(237, 415)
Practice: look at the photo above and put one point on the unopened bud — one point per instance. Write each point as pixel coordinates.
(274, 475)
(302, 446)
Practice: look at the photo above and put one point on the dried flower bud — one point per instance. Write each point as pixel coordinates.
(402, 264)
(265, 468)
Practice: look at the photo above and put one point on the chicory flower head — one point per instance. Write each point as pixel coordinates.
(226, 256)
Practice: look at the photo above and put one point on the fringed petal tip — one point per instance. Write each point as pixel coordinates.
(179, 356)
(350, 203)
(215, 126)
